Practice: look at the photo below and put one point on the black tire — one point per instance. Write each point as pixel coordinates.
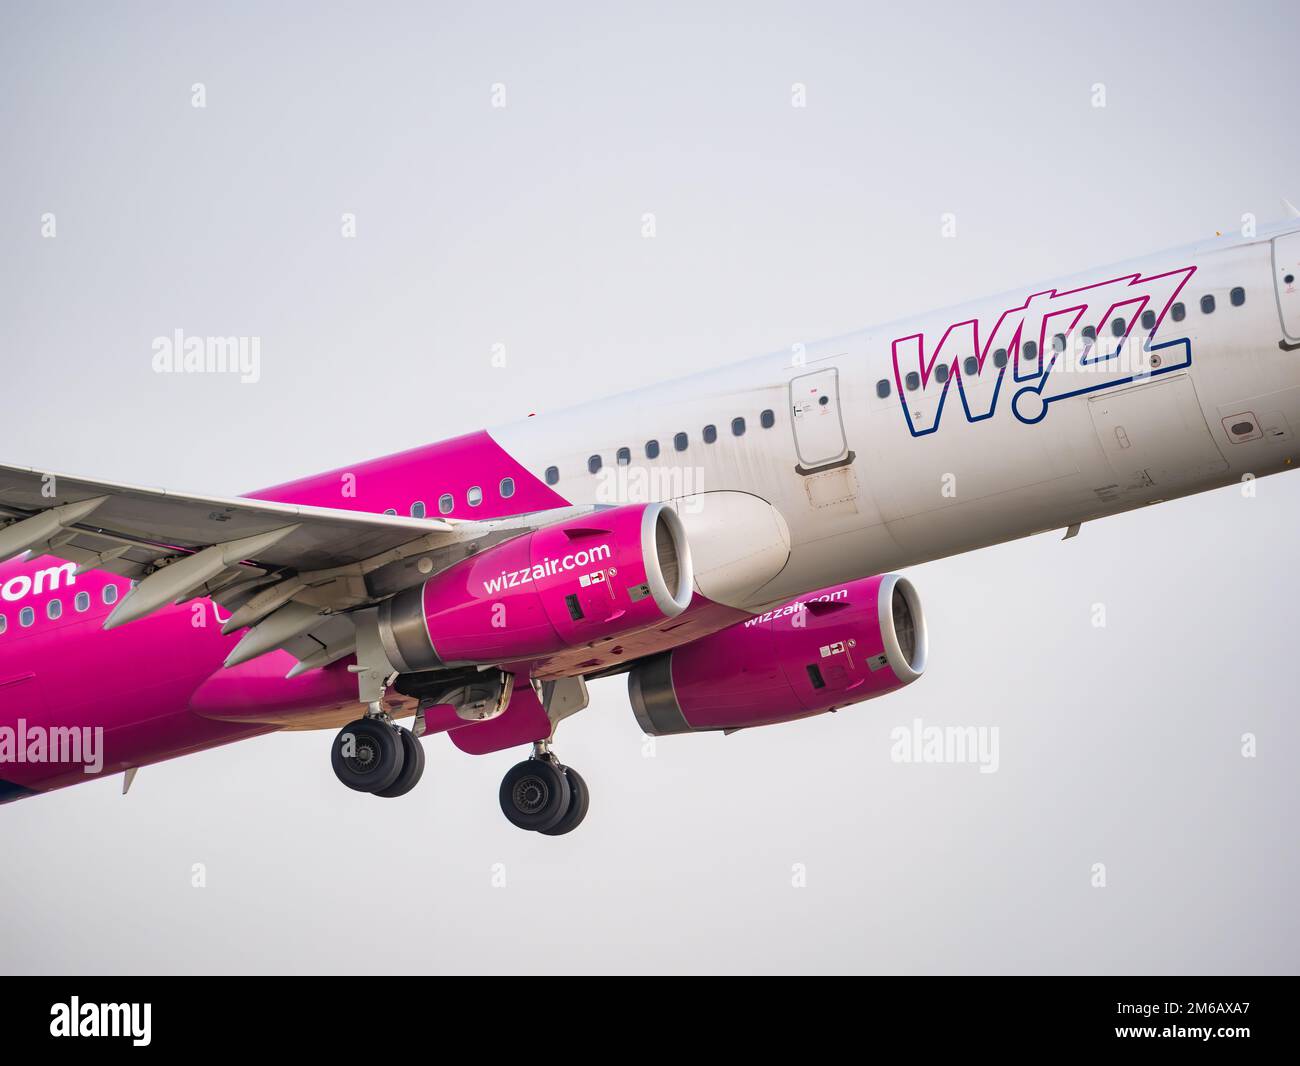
(534, 795)
(412, 766)
(367, 755)
(579, 802)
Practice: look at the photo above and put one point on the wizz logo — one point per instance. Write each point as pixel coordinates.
(1057, 345)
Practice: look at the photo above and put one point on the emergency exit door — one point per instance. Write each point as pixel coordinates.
(819, 439)
(1286, 276)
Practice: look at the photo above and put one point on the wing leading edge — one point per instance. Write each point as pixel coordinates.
(291, 572)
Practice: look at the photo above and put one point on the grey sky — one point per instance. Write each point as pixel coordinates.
(521, 226)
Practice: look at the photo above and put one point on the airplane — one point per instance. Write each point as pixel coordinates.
(729, 541)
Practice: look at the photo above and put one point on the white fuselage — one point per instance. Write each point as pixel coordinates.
(1203, 399)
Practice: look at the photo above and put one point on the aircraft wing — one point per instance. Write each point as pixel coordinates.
(306, 566)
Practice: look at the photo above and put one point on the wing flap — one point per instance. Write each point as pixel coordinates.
(326, 537)
(253, 557)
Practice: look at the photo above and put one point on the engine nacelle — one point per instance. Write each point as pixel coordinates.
(833, 647)
(575, 583)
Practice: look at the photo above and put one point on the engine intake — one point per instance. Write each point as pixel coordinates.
(578, 582)
(834, 647)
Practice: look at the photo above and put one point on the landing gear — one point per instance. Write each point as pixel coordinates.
(535, 794)
(579, 801)
(543, 796)
(412, 766)
(374, 755)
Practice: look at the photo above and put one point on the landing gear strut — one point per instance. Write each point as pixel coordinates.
(374, 755)
(544, 796)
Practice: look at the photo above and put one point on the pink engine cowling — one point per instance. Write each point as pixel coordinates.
(833, 647)
(575, 583)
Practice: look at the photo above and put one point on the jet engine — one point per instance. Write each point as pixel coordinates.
(575, 583)
(831, 648)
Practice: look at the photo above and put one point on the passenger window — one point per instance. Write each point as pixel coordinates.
(506, 488)
(680, 441)
(624, 456)
(26, 617)
(882, 388)
(417, 509)
(446, 503)
(941, 373)
(1090, 334)
(110, 594)
(1179, 312)
(1000, 358)
(82, 602)
(1117, 327)
(737, 427)
(912, 381)
(4, 623)
(390, 510)
(474, 496)
(971, 367)
(767, 419)
(1237, 297)
(1207, 304)
(552, 474)
(652, 449)
(54, 609)
(1058, 343)
(1030, 350)
(710, 434)
(1148, 320)
(593, 465)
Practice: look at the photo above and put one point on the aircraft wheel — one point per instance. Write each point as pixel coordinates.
(368, 755)
(412, 766)
(535, 795)
(579, 801)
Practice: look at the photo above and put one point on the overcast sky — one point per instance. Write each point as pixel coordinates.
(521, 226)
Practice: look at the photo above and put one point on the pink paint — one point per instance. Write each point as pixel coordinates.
(829, 649)
(423, 475)
(134, 683)
(577, 583)
(156, 686)
(522, 722)
(157, 689)
(700, 619)
(442, 718)
(259, 691)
